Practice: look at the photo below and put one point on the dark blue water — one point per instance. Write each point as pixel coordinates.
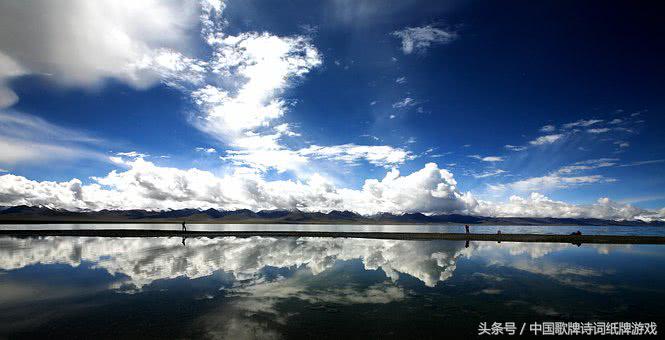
(237, 288)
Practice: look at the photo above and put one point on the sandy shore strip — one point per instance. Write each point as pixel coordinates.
(574, 239)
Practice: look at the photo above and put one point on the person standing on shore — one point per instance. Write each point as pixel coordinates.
(466, 227)
(183, 226)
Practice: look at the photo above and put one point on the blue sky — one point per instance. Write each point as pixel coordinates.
(560, 99)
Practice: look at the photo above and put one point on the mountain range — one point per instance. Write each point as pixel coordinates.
(38, 214)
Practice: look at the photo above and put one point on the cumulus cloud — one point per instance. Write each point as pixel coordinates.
(245, 258)
(76, 44)
(263, 66)
(419, 39)
(237, 89)
(285, 129)
(250, 72)
(538, 205)
(146, 186)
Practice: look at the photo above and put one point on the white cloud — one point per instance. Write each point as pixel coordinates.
(146, 186)
(598, 130)
(379, 155)
(263, 65)
(562, 179)
(173, 68)
(648, 162)
(548, 128)
(622, 144)
(135, 262)
(206, 150)
(547, 139)
(29, 139)
(400, 80)
(588, 165)
(538, 205)
(406, 102)
(132, 154)
(487, 158)
(421, 38)
(554, 181)
(8, 69)
(264, 159)
(582, 123)
(489, 173)
(285, 129)
(76, 44)
(249, 73)
(237, 89)
(515, 147)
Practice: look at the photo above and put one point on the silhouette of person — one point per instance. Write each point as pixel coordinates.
(183, 240)
(183, 226)
(466, 245)
(466, 227)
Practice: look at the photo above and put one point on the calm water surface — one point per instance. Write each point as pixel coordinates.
(590, 230)
(68, 287)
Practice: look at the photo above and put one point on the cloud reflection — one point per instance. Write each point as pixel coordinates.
(145, 260)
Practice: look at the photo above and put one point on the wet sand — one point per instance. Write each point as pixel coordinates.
(574, 239)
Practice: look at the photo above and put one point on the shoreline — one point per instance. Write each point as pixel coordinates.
(573, 239)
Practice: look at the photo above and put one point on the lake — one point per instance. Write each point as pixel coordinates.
(259, 287)
(481, 229)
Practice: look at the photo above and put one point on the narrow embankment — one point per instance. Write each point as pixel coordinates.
(575, 239)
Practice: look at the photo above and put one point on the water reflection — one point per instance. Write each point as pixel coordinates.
(299, 287)
(144, 260)
(415, 228)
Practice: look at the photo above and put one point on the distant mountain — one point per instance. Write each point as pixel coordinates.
(30, 214)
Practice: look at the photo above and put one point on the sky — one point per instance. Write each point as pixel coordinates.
(552, 108)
